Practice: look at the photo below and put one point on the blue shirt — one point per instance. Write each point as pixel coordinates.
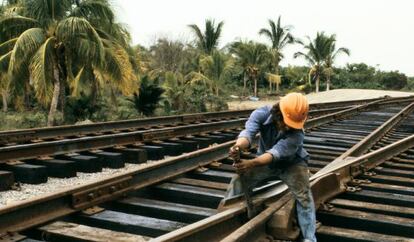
(286, 147)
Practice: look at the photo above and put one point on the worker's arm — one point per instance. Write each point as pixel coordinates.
(252, 127)
(261, 160)
(286, 148)
(243, 143)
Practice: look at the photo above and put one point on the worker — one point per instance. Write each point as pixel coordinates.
(280, 154)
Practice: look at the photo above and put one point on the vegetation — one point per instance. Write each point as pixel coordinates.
(54, 46)
(69, 60)
(150, 96)
(209, 40)
(279, 37)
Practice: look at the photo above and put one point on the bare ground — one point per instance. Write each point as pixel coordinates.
(329, 96)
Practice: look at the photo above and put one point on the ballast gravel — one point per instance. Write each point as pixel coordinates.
(29, 191)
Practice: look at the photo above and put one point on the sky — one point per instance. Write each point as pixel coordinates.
(378, 32)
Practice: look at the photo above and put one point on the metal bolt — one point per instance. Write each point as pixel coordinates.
(112, 189)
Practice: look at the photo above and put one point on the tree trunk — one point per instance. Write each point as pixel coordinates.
(113, 99)
(328, 82)
(62, 96)
(5, 97)
(26, 97)
(270, 87)
(55, 99)
(277, 73)
(255, 86)
(244, 84)
(317, 83)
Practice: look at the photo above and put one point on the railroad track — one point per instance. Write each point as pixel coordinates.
(26, 136)
(31, 156)
(364, 194)
(177, 201)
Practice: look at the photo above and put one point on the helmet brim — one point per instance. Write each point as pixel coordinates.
(293, 124)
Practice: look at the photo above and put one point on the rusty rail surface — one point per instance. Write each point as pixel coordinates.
(26, 135)
(26, 151)
(59, 204)
(26, 214)
(102, 127)
(48, 148)
(22, 215)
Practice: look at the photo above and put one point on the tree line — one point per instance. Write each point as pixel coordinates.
(72, 58)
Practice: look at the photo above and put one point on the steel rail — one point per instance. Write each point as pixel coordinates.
(76, 130)
(226, 226)
(25, 135)
(50, 148)
(331, 180)
(204, 228)
(27, 151)
(365, 144)
(33, 212)
(319, 112)
(25, 214)
(347, 112)
(13, 218)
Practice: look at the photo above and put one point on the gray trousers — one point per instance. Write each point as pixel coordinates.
(296, 177)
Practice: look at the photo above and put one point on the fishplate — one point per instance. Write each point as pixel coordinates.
(101, 193)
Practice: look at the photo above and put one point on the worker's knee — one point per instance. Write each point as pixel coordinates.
(304, 198)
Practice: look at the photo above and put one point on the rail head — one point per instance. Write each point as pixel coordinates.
(25, 214)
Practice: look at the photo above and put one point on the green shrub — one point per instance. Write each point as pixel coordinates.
(148, 98)
(81, 108)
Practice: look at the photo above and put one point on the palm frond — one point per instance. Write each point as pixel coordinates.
(73, 29)
(118, 69)
(81, 81)
(198, 78)
(199, 35)
(149, 97)
(26, 46)
(4, 63)
(94, 10)
(266, 33)
(207, 41)
(342, 50)
(7, 46)
(46, 11)
(12, 26)
(42, 68)
(305, 56)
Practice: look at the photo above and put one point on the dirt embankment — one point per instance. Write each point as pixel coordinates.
(329, 96)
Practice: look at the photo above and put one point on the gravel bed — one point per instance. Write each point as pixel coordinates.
(29, 191)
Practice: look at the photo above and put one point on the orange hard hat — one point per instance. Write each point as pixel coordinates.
(294, 108)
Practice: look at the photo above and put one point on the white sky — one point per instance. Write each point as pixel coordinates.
(378, 32)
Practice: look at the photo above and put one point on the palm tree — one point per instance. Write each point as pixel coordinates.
(150, 96)
(215, 69)
(333, 53)
(67, 45)
(317, 51)
(279, 37)
(11, 25)
(209, 40)
(252, 57)
(175, 86)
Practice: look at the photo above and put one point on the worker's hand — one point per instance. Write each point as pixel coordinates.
(243, 166)
(234, 152)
